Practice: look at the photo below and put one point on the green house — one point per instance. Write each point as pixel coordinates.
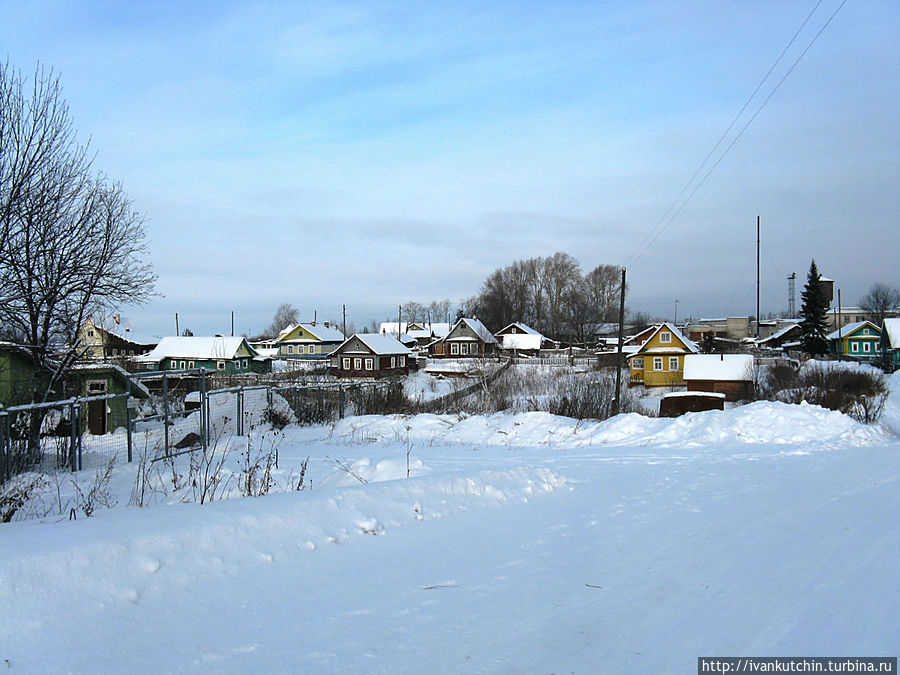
(892, 328)
(860, 340)
(228, 355)
(17, 374)
(98, 379)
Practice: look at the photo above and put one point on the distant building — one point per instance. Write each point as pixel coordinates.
(308, 341)
(468, 338)
(367, 355)
(229, 355)
(114, 341)
(659, 361)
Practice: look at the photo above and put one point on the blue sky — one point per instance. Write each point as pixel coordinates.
(370, 153)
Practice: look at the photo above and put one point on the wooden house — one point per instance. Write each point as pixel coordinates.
(469, 338)
(99, 379)
(728, 374)
(309, 341)
(519, 338)
(423, 332)
(367, 355)
(859, 340)
(659, 361)
(113, 341)
(228, 355)
(17, 374)
(892, 342)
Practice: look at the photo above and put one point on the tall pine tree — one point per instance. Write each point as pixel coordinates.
(814, 311)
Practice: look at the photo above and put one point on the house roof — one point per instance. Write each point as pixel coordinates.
(197, 347)
(849, 329)
(688, 344)
(137, 388)
(318, 330)
(727, 367)
(381, 345)
(892, 326)
(478, 328)
(521, 341)
(779, 334)
(417, 329)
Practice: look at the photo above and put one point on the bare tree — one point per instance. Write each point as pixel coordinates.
(71, 244)
(881, 301)
(286, 315)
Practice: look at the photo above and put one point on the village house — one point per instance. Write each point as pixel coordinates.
(228, 355)
(860, 340)
(99, 379)
(309, 341)
(423, 332)
(728, 374)
(114, 341)
(367, 355)
(469, 338)
(17, 374)
(521, 339)
(659, 361)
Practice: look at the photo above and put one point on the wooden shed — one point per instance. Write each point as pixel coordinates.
(729, 374)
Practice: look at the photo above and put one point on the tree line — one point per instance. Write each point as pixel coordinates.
(552, 295)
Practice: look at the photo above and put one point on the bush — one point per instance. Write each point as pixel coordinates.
(860, 393)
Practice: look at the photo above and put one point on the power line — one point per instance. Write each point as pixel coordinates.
(667, 219)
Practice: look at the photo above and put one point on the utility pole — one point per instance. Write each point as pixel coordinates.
(344, 310)
(176, 324)
(619, 363)
(232, 323)
(757, 277)
(399, 315)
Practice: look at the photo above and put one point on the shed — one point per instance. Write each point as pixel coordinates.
(681, 402)
(728, 374)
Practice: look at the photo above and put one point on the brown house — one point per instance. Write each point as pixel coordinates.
(468, 338)
(368, 355)
(729, 374)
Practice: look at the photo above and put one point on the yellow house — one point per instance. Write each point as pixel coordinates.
(308, 340)
(660, 360)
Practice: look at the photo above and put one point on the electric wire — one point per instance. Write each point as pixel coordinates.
(661, 226)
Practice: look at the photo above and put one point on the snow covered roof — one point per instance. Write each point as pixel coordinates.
(850, 328)
(893, 330)
(780, 333)
(136, 387)
(379, 344)
(689, 345)
(730, 367)
(427, 330)
(197, 347)
(521, 341)
(321, 331)
(478, 328)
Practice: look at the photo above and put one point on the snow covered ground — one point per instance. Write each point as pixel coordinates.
(518, 543)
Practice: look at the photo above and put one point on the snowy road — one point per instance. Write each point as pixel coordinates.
(558, 550)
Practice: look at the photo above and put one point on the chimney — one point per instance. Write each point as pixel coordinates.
(325, 323)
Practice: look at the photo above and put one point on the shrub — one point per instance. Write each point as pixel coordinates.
(860, 393)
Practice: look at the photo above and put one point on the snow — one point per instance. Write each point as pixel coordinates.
(195, 347)
(518, 543)
(377, 344)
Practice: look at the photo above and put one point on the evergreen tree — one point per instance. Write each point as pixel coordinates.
(814, 310)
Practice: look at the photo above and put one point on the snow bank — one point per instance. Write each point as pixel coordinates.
(760, 423)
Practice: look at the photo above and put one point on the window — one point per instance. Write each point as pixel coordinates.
(244, 363)
(854, 346)
(173, 364)
(463, 349)
(403, 362)
(96, 387)
(454, 348)
(290, 349)
(182, 365)
(346, 363)
(657, 363)
(393, 362)
(357, 364)
(90, 333)
(370, 364)
(665, 336)
(220, 365)
(191, 365)
(637, 363)
(867, 347)
(673, 363)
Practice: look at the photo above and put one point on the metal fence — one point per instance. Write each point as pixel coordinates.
(181, 414)
(52, 436)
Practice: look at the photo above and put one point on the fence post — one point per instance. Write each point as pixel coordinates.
(128, 424)
(73, 430)
(4, 447)
(340, 401)
(165, 395)
(204, 411)
(77, 459)
(239, 422)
